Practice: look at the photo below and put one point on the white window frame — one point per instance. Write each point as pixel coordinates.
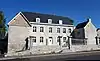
(60, 21)
(38, 20)
(50, 29)
(41, 39)
(64, 39)
(34, 28)
(50, 21)
(64, 30)
(41, 29)
(58, 30)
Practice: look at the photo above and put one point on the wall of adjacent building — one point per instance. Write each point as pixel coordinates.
(17, 33)
(90, 33)
(16, 38)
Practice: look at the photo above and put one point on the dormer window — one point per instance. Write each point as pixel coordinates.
(38, 20)
(49, 21)
(60, 21)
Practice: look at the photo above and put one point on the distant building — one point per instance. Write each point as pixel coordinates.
(36, 29)
(84, 33)
(98, 36)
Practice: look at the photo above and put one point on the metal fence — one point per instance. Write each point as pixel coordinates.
(79, 41)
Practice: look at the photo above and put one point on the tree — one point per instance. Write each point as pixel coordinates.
(2, 25)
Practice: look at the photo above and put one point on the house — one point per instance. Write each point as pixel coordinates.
(84, 33)
(29, 29)
(98, 36)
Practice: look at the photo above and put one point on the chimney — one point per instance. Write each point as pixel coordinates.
(89, 19)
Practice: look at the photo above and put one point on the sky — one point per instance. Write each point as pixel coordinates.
(77, 10)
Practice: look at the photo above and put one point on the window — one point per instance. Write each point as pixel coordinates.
(64, 39)
(41, 29)
(60, 21)
(34, 28)
(33, 38)
(58, 39)
(49, 21)
(41, 39)
(69, 30)
(50, 29)
(37, 20)
(64, 30)
(58, 30)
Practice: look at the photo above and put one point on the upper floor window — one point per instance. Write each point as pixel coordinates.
(60, 21)
(49, 21)
(34, 28)
(69, 30)
(41, 29)
(38, 20)
(41, 39)
(50, 29)
(58, 30)
(64, 30)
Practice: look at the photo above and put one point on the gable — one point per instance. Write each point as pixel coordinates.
(90, 30)
(18, 20)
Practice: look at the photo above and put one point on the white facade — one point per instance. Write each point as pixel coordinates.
(90, 33)
(49, 38)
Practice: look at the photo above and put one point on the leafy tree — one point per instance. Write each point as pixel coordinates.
(2, 25)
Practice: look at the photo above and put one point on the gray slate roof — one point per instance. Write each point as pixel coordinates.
(31, 16)
(82, 25)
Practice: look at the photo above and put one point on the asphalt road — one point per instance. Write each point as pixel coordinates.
(61, 57)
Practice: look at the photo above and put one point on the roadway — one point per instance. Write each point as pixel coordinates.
(59, 57)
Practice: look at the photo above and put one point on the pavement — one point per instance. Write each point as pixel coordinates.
(53, 56)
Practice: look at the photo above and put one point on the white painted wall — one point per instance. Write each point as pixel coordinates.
(90, 33)
(46, 33)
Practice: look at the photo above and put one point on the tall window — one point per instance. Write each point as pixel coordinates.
(33, 38)
(64, 39)
(41, 29)
(64, 30)
(69, 30)
(34, 28)
(41, 39)
(58, 30)
(50, 29)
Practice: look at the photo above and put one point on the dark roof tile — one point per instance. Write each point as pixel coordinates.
(82, 25)
(44, 17)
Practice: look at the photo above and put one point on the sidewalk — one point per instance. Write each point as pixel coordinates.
(78, 53)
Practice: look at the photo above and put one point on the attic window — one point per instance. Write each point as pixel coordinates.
(60, 21)
(38, 20)
(49, 21)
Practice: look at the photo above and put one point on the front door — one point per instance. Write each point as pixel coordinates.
(59, 40)
(50, 41)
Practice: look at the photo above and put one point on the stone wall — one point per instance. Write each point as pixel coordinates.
(16, 38)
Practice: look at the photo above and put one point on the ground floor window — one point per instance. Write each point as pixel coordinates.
(64, 39)
(41, 39)
(33, 39)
